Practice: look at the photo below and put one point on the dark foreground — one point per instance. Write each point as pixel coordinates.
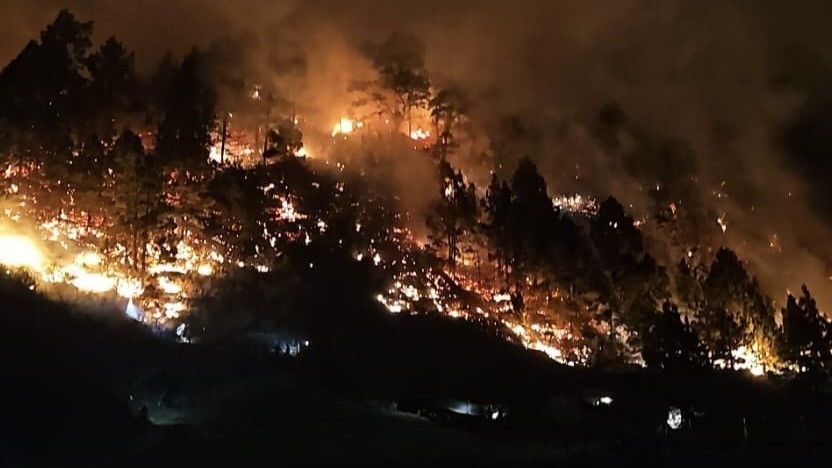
(97, 390)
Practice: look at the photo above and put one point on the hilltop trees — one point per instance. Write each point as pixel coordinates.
(42, 92)
(807, 335)
(520, 222)
(114, 86)
(618, 248)
(447, 108)
(400, 64)
(533, 215)
(184, 134)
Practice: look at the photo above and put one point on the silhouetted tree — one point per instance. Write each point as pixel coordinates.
(183, 146)
(399, 61)
(720, 332)
(455, 213)
(41, 96)
(807, 335)
(447, 108)
(114, 86)
(285, 141)
(671, 344)
(87, 178)
(630, 275)
(240, 213)
(735, 310)
(532, 217)
(497, 206)
(160, 88)
(184, 135)
(137, 200)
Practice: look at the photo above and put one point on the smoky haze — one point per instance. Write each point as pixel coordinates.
(707, 95)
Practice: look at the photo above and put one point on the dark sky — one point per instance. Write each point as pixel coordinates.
(742, 87)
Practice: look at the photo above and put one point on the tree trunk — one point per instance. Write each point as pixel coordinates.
(450, 249)
(224, 135)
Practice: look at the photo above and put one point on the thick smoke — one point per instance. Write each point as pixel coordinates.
(713, 107)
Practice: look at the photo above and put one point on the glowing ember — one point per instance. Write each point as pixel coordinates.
(576, 203)
(288, 213)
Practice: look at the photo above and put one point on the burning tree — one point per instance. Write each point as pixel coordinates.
(137, 197)
(454, 214)
(400, 64)
(447, 109)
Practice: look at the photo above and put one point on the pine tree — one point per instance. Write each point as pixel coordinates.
(671, 343)
(184, 135)
(533, 217)
(497, 206)
(447, 108)
(137, 203)
(454, 214)
(399, 61)
(113, 86)
(807, 335)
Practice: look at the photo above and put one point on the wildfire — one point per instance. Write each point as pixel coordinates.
(20, 252)
(747, 358)
(576, 203)
(91, 271)
(129, 288)
(345, 126)
(419, 134)
(93, 282)
(287, 212)
(301, 152)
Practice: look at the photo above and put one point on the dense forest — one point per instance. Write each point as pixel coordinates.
(195, 194)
